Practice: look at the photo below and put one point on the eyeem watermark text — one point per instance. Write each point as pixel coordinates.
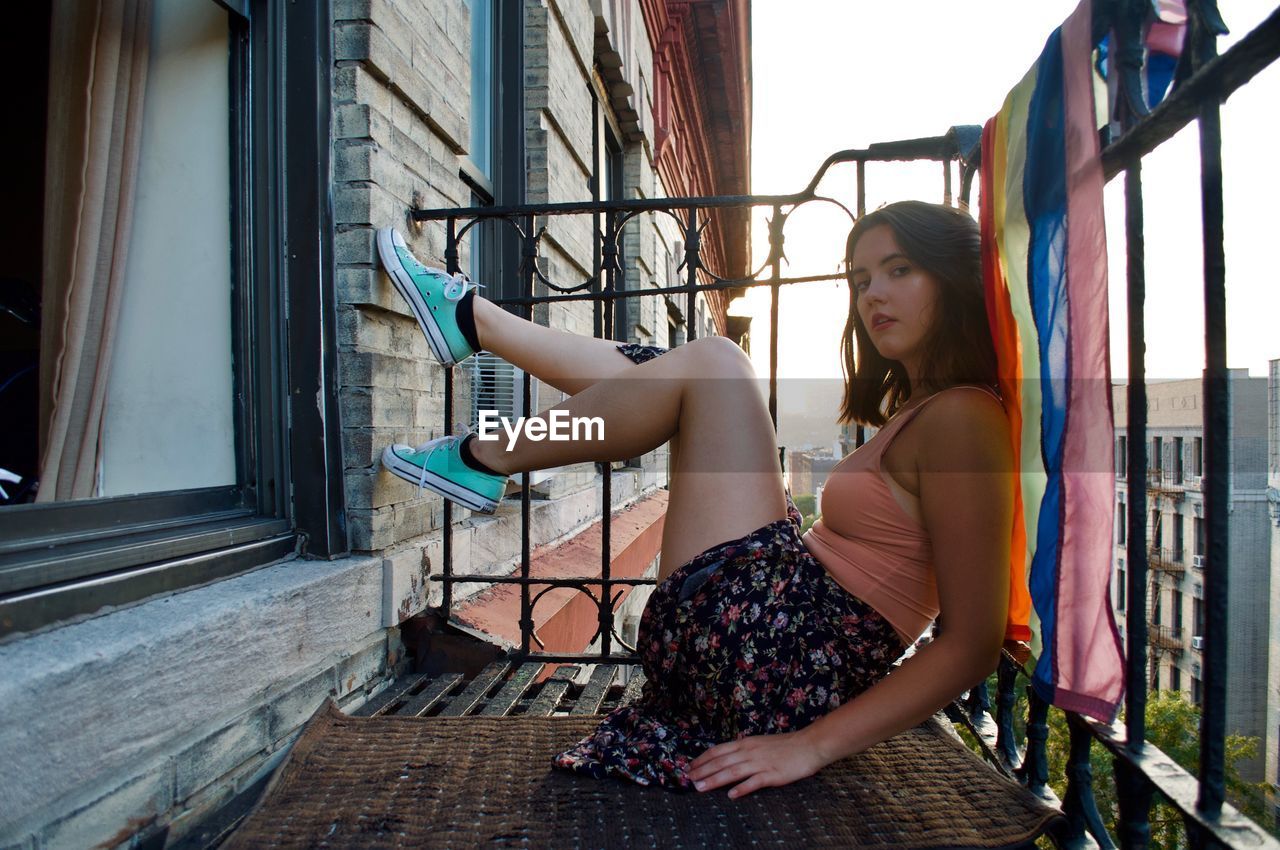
(559, 425)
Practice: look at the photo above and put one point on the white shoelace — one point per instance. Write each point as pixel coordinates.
(422, 477)
(459, 284)
(464, 285)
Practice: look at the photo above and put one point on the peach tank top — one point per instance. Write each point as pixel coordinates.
(869, 543)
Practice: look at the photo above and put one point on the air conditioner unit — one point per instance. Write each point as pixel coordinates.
(497, 385)
(1197, 561)
(1197, 642)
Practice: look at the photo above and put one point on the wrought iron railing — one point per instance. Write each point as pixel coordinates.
(1140, 768)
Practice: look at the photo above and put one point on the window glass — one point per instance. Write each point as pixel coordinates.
(169, 420)
(482, 79)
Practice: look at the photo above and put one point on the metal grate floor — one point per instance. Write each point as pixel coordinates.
(505, 689)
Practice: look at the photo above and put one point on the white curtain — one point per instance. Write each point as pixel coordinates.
(99, 52)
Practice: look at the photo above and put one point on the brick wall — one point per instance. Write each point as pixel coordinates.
(401, 96)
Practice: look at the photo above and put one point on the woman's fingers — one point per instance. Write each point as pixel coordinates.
(712, 756)
(755, 783)
(727, 774)
(754, 762)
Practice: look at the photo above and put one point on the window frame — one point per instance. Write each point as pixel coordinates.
(63, 560)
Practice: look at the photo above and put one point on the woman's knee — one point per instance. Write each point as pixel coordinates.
(721, 355)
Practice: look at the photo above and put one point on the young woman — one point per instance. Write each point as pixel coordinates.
(766, 655)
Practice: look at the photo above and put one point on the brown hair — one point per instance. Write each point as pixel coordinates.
(944, 242)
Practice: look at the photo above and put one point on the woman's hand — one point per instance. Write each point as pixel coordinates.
(754, 762)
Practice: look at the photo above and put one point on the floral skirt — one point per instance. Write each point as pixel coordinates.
(751, 637)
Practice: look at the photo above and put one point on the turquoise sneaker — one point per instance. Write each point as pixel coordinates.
(437, 466)
(433, 294)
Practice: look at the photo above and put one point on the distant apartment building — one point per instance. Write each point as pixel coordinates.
(809, 470)
(1176, 551)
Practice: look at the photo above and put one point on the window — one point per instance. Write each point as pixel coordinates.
(1177, 612)
(168, 462)
(1197, 616)
(1177, 460)
(1155, 675)
(1195, 690)
(1197, 456)
(1197, 535)
(1122, 589)
(1157, 533)
(1156, 456)
(1175, 677)
(1122, 523)
(1157, 607)
(1178, 536)
(1122, 457)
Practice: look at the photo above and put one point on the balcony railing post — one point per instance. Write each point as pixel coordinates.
(1035, 764)
(1136, 537)
(1006, 700)
(692, 255)
(1133, 795)
(1132, 788)
(612, 272)
(528, 272)
(1204, 27)
(452, 266)
(776, 241)
(1079, 806)
(978, 702)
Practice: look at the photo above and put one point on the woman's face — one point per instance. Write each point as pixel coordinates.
(895, 298)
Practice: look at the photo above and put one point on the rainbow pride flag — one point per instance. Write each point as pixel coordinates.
(1045, 267)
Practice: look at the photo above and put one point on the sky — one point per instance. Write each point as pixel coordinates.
(835, 74)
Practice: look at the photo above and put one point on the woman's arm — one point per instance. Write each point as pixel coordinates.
(966, 499)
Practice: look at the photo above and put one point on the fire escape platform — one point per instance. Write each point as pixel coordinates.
(445, 762)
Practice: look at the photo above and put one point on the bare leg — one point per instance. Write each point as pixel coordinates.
(569, 362)
(729, 481)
